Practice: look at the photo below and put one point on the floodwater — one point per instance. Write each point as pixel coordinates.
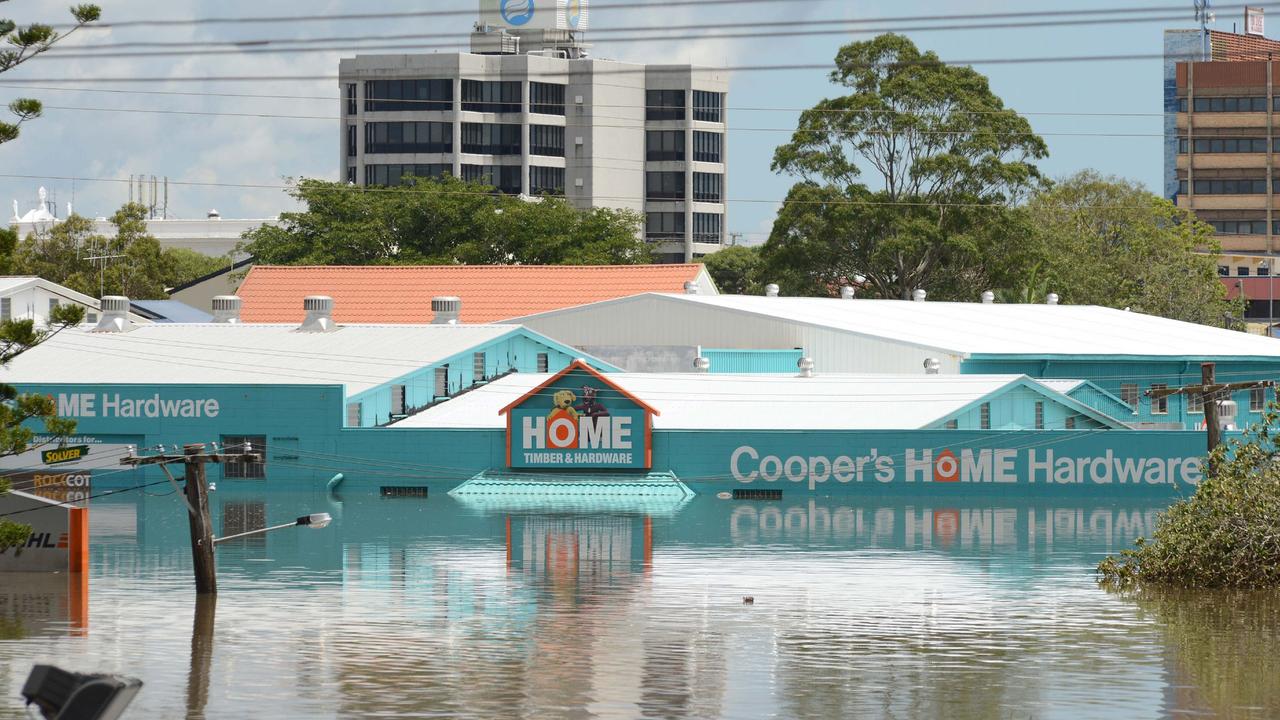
(429, 607)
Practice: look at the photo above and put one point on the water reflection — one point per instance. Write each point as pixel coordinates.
(863, 607)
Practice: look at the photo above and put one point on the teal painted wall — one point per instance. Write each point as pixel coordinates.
(1016, 410)
(1109, 374)
(752, 361)
(1103, 402)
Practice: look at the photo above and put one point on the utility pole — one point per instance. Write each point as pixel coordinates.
(1209, 390)
(196, 497)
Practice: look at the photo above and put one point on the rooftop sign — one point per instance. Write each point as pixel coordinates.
(1253, 21)
(579, 419)
(535, 14)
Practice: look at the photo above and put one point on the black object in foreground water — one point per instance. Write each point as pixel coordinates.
(63, 695)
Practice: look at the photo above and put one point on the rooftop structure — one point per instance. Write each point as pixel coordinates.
(1123, 353)
(789, 402)
(26, 297)
(489, 293)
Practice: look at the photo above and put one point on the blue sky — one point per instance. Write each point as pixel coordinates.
(105, 143)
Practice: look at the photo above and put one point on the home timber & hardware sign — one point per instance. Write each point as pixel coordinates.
(579, 419)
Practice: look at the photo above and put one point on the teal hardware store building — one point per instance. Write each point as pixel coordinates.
(503, 409)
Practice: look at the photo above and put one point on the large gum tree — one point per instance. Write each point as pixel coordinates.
(905, 179)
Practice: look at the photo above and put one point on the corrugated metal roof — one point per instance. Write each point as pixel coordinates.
(173, 311)
(358, 356)
(751, 402)
(402, 294)
(1000, 329)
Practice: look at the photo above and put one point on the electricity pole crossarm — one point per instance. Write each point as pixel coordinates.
(1211, 389)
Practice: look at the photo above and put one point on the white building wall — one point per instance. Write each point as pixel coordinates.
(651, 320)
(213, 237)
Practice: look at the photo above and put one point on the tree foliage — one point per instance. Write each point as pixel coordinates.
(1107, 241)
(439, 222)
(130, 263)
(947, 157)
(26, 42)
(16, 409)
(1227, 534)
(736, 270)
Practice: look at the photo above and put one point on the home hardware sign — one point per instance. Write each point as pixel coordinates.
(70, 453)
(579, 419)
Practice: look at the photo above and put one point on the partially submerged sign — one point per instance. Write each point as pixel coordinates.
(59, 540)
(579, 419)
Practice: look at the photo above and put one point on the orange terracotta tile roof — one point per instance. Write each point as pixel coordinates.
(490, 293)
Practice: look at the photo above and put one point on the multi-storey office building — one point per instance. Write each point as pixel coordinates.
(1220, 151)
(544, 119)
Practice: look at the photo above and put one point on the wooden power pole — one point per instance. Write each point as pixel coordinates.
(1209, 390)
(196, 497)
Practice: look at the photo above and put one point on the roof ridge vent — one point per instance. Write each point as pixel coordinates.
(446, 310)
(919, 295)
(115, 315)
(319, 317)
(846, 292)
(771, 290)
(226, 309)
(805, 364)
(690, 287)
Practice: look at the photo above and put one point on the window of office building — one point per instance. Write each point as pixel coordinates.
(352, 146)
(492, 96)
(239, 445)
(351, 98)
(1231, 186)
(408, 137)
(506, 178)
(1239, 227)
(664, 105)
(490, 139)
(1224, 145)
(546, 180)
(707, 106)
(407, 95)
(351, 174)
(664, 185)
(1242, 270)
(664, 226)
(1227, 104)
(706, 146)
(707, 187)
(664, 145)
(546, 98)
(546, 140)
(394, 174)
(706, 227)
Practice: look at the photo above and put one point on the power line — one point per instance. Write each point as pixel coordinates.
(732, 108)
(290, 46)
(639, 124)
(652, 4)
(621, 71)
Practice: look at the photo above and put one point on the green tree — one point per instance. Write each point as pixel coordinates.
(948, 158)
(19, 336)
(1107, 241)
(736, 270)
(24, 44)
(131, 262)
(17, 410)
(442, 221)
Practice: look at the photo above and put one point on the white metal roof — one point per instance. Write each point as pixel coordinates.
(750, 402)
(357, 356)
(998, 329)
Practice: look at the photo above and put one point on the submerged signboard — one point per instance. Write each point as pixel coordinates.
(578, 419)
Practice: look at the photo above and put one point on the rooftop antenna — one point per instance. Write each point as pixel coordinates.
(1204, 16)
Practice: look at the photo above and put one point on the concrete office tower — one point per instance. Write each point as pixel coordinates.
(528, 111)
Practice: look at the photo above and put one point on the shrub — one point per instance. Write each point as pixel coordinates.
(1225, 535)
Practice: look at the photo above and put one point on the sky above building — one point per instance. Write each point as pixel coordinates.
(234, 153)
